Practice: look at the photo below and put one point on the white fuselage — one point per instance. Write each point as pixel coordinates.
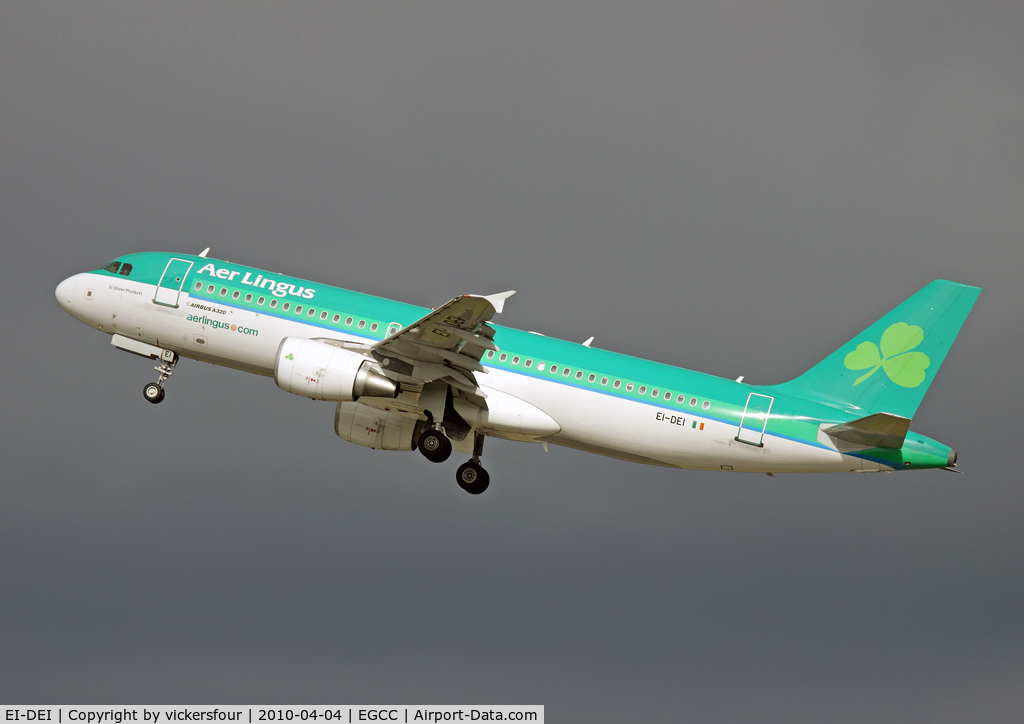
(589, 420)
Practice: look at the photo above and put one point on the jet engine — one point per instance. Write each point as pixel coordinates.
(365, 425)
(325, 372)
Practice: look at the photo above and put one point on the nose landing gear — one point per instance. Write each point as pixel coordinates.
(154, 391)
(471, 475)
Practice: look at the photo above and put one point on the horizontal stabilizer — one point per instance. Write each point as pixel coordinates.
(879, 430)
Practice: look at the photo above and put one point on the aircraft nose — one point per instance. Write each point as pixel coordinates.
(66, 292)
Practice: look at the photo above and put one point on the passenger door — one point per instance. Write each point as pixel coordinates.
(168, 289)
(755, 419)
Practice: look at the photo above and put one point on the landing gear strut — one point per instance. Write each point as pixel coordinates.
(154, 391)
(471, 475)
(435, 446)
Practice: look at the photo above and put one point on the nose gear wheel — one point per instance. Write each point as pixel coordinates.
(154, 391)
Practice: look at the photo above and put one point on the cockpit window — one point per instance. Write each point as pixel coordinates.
(126, 269)
(112, 267)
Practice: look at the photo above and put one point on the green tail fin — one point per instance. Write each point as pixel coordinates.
(889, 366)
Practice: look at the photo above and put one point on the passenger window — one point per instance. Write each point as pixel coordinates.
(373, 327)
(323, 315)
(643, 389)
(490, 354)
(515, 360)
(261, 300)
(591, 378)
(348, 322)
(529, 363)
(681, 399)
(312, 312)
(706, 405)
(362, 323)
(209, 289)
(655, 392)
(223, 291)
(604, 380)
(248, 298)
(540, 366)
(668, 395)
(579, 374)
(112, 267)
(617, 384)
(273, 303)
(199, 285)
(286, 306)
(298, 309)
(236, 295)
(554, 369)
(336, 319)
(566, 371)
(693, 402)
(503, 357)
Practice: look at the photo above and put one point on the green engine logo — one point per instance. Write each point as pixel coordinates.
(902, 365)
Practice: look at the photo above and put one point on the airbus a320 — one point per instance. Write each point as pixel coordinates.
(440, 380)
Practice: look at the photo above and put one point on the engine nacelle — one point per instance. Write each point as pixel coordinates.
(365, 425)
(324, 372)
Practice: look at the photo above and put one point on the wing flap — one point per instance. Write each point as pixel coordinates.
(459, 360)
(473, 337)
(447, 343)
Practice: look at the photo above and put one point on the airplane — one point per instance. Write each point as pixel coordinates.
(439, 380)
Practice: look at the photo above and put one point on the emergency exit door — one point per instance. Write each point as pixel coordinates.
(168, 289)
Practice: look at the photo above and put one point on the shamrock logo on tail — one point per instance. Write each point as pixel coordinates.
(903, 366)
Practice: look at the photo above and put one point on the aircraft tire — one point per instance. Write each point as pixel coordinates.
(472, 478)
(435, 446)
(153, 392)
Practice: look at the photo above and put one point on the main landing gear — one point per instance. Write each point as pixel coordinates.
(471, 476)
(154, 391)
(435, 446)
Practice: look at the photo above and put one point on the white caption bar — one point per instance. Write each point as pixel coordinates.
(334, 714)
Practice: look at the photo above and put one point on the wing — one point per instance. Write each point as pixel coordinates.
(447, 344)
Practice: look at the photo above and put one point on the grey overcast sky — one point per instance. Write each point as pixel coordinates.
(736, 187)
